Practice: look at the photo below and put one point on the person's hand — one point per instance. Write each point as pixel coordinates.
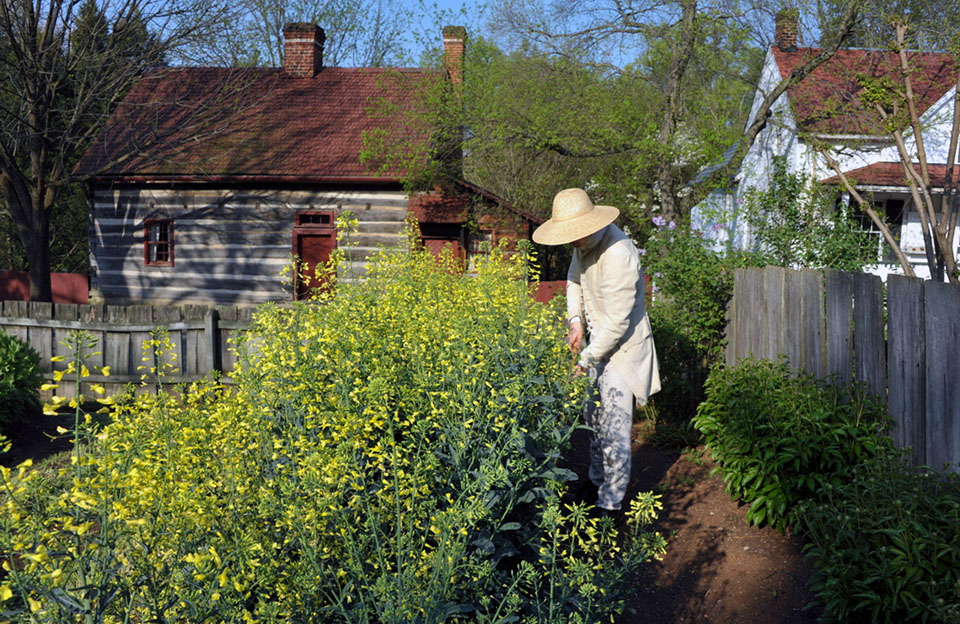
(575, 336)
(579, 371)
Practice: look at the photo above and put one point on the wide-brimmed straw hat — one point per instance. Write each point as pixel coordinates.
(574, 216)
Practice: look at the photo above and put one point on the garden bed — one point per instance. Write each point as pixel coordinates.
(717, 568)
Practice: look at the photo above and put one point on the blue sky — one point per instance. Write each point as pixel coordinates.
(436, 13)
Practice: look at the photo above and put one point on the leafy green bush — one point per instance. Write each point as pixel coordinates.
(388, 454)
(20, 380)
(692, 285)
(780, 438)
(797, 223)
(886, 545)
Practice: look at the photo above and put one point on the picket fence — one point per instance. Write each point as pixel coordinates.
(903, 346)
(200, 337)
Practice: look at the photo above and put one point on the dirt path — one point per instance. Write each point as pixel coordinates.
(717, 569)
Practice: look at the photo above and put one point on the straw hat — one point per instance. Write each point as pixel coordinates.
(574, 216)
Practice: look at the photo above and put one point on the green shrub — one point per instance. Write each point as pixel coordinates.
(20, 380)
(692, 284)
(886, 545)
(780, 438)
(797, 222)
(683, 371)
(388, 454)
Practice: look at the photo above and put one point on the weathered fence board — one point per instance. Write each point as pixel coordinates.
(793, 319)
(868, 342)
(838, 304)
(906, 345)
(199, 338)
(832, 325)
(772, 314)
(812, 332)
(942, 316)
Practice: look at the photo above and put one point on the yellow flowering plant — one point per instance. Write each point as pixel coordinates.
(388, 452)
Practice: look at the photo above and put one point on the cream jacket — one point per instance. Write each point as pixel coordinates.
(605, 285)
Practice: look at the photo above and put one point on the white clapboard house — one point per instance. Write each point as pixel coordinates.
(825, 108)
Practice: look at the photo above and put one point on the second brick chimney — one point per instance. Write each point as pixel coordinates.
(302, 49)
(454, 44)
(785, 33)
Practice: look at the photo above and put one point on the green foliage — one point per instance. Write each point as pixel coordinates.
(20, 380)
(885, 545)
(781, 438)
(691, 286)
(388, 454)
(527, 130)
(932, 25)
(797, 224)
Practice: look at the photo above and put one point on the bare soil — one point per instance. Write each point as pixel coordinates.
(717, 568)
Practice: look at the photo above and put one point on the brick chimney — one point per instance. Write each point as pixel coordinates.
(302, 49)
(785, 33)
(454, 43)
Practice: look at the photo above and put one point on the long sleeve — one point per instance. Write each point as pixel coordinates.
(574, 294)
(619, 275)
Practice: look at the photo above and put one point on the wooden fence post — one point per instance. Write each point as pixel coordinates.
(212, 339)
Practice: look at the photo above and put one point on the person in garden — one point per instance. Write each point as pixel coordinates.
(605, 295)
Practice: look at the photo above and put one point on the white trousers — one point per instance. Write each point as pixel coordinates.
(609, 412)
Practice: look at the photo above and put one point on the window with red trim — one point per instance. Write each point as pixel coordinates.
(158, 242)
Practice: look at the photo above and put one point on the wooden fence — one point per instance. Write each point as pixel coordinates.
(200, 337)
(831, 323)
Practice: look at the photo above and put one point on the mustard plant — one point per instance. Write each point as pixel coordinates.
(389, 452)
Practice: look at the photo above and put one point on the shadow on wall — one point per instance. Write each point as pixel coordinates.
(231, 245)
(67, 287)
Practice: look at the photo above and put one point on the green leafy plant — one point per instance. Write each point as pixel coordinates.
(780, 438)
(885, 545)
(691, 285)
(797, 223)
(20, 379)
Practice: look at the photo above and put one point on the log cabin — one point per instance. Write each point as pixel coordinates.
(207, 182)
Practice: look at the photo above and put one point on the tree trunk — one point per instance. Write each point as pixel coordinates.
(38, 257)
(666, 171)
(31, 215)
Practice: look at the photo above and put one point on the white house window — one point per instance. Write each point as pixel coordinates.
(158, 242)
(891, 211)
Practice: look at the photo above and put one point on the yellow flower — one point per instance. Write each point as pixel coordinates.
(5, 592)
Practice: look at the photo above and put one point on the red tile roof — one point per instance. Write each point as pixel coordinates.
(828, 100)
(891, 174)
(215, 122)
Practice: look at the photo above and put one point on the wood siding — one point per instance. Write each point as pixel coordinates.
(230, 245)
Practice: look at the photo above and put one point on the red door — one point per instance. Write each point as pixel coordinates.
(314, 239)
